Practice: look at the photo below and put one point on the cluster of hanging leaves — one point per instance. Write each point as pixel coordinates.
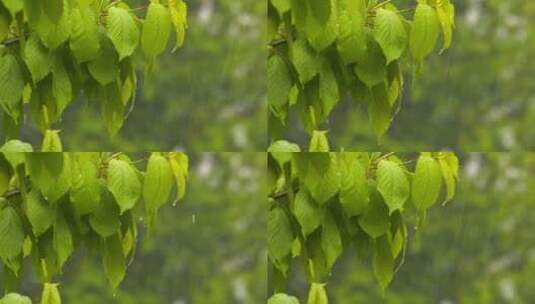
(52, 204)
(324, 50)
(321, 204)
(52, 52)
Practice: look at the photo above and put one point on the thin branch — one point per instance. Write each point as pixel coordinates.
(11, 194)
(382, 4)
(14, 40)
(278, 42)
(385, 156)
(276, 196)
(281, 194)
(139, 8)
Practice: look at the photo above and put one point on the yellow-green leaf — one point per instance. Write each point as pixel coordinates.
(123, 31)
(393, 184)
(11, 234)
(50, 294)
(424, 31)
(427, 182)
(114, 260)
(317, 294)
(156, 30)
(123, 183)
(179, 16)
(179, 166)
(390, 34)
(52, 142)
(157, 183)
(11, 84)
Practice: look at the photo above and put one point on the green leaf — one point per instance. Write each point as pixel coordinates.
(328, 89)
(280, 235)
(305, 60)
(352, 40)
(375, 220)
(105, 68)
(11, 85)
(112, 109)
(371, 69)
(321, 23)
(307, 212)
(424, 31)
(427, 182)
(5, 175)
(85, 193)
(390, 34)
(53, 9)
(61, 85)
(179, 17)
(379, 110)
(44, 169)
(321, 10)
(5, 20)
(123, 183)
(281, 298)
(14, 298)
(279, 81)
(12, 151)
(180, 167)
(40, 213)
(32, 11)
(11, 234)
(114, 261)
(37, 58)
(317, 294)
(354, 195)
(85, 41)
(319, 142)
(51, 173)
(54, 33)
(51, 142)
(105, 219)
(282, 6)
(393, 184)
(157, 184)
(331, 241)
(446, 15)
(123, 31)
(383, 262)
(282, 150)
(63, 239)
(449, 166)
(14, 6)
(50, 294)
(156, 30)
(319, 173)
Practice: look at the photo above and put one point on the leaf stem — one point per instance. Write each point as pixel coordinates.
(379, 5)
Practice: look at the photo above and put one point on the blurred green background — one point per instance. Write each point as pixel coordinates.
(210, 248)
(477, 96)
(208, 96)
(479, 248)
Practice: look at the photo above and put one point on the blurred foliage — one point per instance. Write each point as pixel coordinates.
(208, 96)
(209, 249)
(477, 96)
(477, 249)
